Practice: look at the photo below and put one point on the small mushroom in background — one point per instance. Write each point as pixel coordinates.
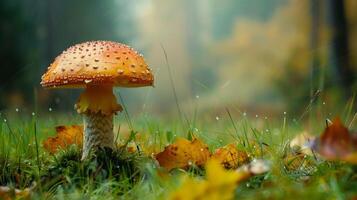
(98, 66)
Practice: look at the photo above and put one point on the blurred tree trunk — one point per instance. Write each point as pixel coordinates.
(339, 50)
(314, 38)
(49, 31)
(314, 61)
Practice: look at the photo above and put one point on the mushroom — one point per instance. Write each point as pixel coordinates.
(98, 66)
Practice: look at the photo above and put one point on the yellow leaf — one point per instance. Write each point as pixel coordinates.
(66, 136)
(184, 153)
(218, 185)
(217, 175)
(230, 157)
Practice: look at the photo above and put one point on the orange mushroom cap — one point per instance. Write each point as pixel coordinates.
(98, 63)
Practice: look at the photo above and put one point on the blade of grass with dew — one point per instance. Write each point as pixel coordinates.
(126, 113)
(173, 88)
(234, 126)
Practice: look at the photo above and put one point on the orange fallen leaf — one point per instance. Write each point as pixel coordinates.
(66, 136)
(8, 193)
(184, 153)
(337, 143)
(230, 157)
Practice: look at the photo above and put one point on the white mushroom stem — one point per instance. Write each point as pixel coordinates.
(98, 132)
(98, 105)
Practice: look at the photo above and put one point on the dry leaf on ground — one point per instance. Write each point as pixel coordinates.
(184, 153)
(297, 161)
(7, 193)
(337, 143)
(219, 184)
(304, 142)
(66, 136)
(230, 157)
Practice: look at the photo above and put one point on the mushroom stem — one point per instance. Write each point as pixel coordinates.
(98, 105)
(98, 132)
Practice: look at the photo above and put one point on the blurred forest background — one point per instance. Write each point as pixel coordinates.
(261, 56)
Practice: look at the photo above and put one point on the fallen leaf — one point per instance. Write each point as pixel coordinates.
(350, 158)
(230, 157)
(299, 161)
(66, 136)
(184, 153)
(7, 193)
(303, 142)
(219, 184)
(337, 143)
(298, 156)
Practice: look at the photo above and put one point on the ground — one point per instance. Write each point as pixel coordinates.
(131, 172)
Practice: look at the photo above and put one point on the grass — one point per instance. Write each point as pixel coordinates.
(112, 174)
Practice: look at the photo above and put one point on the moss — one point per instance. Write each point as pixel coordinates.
(67, 170)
